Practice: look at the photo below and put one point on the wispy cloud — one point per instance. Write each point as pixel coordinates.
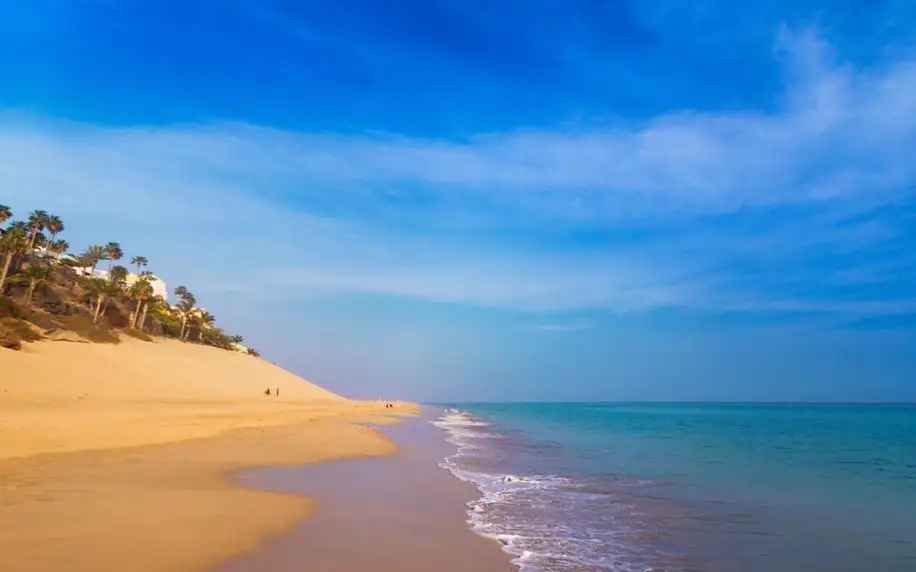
(311, 212)
(842, 133)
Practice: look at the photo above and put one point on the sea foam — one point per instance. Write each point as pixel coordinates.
(531, 515)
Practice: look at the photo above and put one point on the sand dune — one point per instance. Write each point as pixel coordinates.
(118, 457)
(63, 397)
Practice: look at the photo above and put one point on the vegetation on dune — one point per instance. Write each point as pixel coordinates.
(33, 275)
(13, 243)
(93, 255)
(45, 291)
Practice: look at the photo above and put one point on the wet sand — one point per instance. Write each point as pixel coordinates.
(393, 514)
(119, 457)
(161, 508)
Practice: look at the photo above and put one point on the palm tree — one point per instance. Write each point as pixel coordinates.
(146, 304)
(5, 213)
(33, 276)
(141, 291)
(185, 308)
(38, 220)
(12, 243)
(139, 262)
(59, 246)
(181, 292)
(177, 312)
(54, 226)
(187, 311)
(237, 340)
(205, 321)
(114, 252)
(117, 279)
(94, 254)
(21, 226)
(39, 240)
(159, 308)
(83, 261)
(118, 275)
(98, 288)
(253, 352)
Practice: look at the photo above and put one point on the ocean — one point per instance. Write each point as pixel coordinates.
(691, 487)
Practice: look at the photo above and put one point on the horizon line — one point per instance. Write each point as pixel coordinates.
(661, 402)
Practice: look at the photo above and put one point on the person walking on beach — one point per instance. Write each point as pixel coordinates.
(267, 391)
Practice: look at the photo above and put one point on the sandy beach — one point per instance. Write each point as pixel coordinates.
(62, 397)
(399, 513)
(119, 457)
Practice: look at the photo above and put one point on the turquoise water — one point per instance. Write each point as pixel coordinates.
(692, 487)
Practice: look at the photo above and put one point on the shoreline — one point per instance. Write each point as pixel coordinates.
(396, 513)
(129, 457)
(120, 457)
(163, 507)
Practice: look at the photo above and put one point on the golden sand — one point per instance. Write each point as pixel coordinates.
(117, 457)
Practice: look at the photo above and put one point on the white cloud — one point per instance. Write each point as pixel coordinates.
(841, 132)
(230, 206)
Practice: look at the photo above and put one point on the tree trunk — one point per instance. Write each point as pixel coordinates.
(134, 315)
(143, 317)
(6, 268)
(34, 236)
(29, 294)
(98, 308)
(181, 330)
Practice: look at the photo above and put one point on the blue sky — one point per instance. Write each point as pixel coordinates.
(467, 200)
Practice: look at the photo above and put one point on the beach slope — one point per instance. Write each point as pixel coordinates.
(121, 456)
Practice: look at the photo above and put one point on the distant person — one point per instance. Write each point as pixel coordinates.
(278, 392)
(267, 391)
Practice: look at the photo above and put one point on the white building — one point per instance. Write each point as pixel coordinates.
(159, 287)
